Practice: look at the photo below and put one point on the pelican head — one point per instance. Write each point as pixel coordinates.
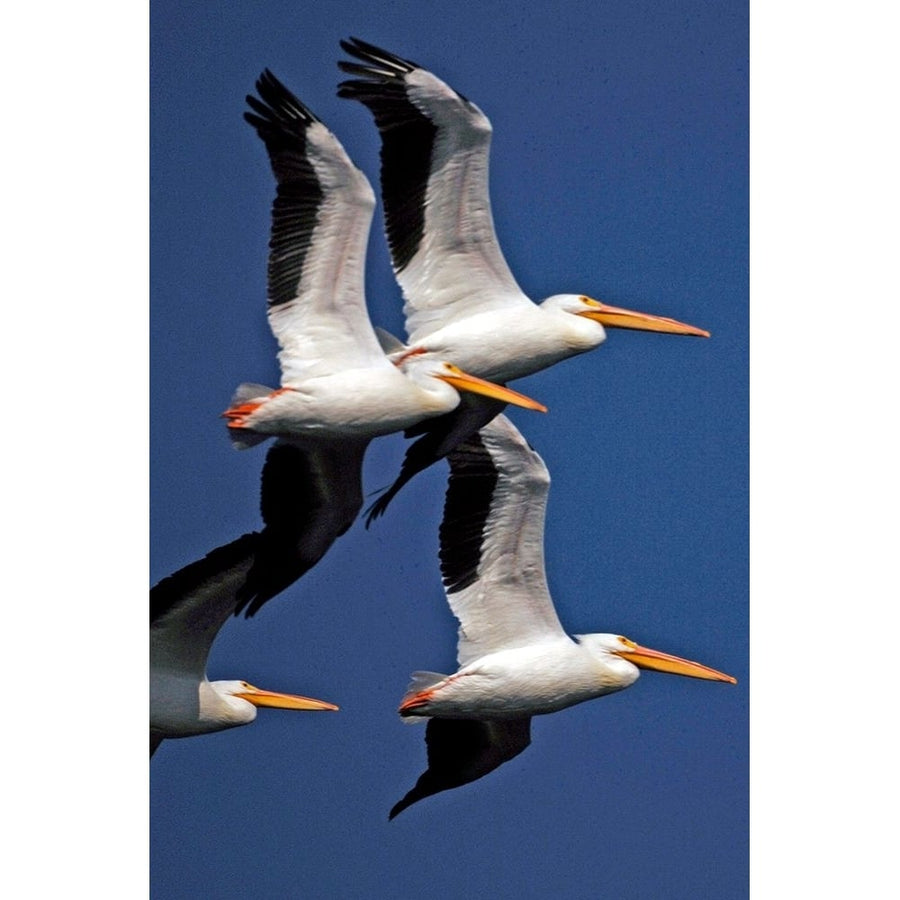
(423, 367)
(616, 317)
(614, 649)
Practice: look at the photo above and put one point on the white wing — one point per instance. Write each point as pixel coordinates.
(492, 543)
(188, 608)
(320, 226)
(434, 186)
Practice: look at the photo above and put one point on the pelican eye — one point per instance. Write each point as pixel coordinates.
(625, 642)
(588, 302)
(451, 368)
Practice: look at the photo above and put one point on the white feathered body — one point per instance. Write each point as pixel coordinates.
(526, 681)
(351, 403)
(514, 341)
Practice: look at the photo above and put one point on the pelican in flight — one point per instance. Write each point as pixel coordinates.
(515, 660)
(187, 609)
(338, 388)
(461, 301)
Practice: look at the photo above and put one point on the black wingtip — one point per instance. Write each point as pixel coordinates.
(420, 791)
(398, 807)
(277, 104)
(257, 591)
(377, 509)
(262, 584)
(247, 603)
(377, 56)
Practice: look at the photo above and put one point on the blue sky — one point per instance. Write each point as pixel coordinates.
(619, 169)
(824, 452)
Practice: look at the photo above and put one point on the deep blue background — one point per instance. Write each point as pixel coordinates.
(619, 169)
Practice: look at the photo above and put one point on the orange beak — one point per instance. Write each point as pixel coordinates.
(646, 658)
(462, 381)
(259, 697)
(615, 317)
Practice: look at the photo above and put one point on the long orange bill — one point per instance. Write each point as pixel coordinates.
(462, 381)
(615, 317)
(646, 658)
(259, 697)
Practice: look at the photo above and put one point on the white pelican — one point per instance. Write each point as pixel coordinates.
(515, 660)
(338, 389)
(461, 300)
(187, 609)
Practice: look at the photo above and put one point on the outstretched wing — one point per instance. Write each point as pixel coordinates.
(492, 543)
(434, 186)
(309, 496)
(317, 249)
(188, 608)
(463, 750)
